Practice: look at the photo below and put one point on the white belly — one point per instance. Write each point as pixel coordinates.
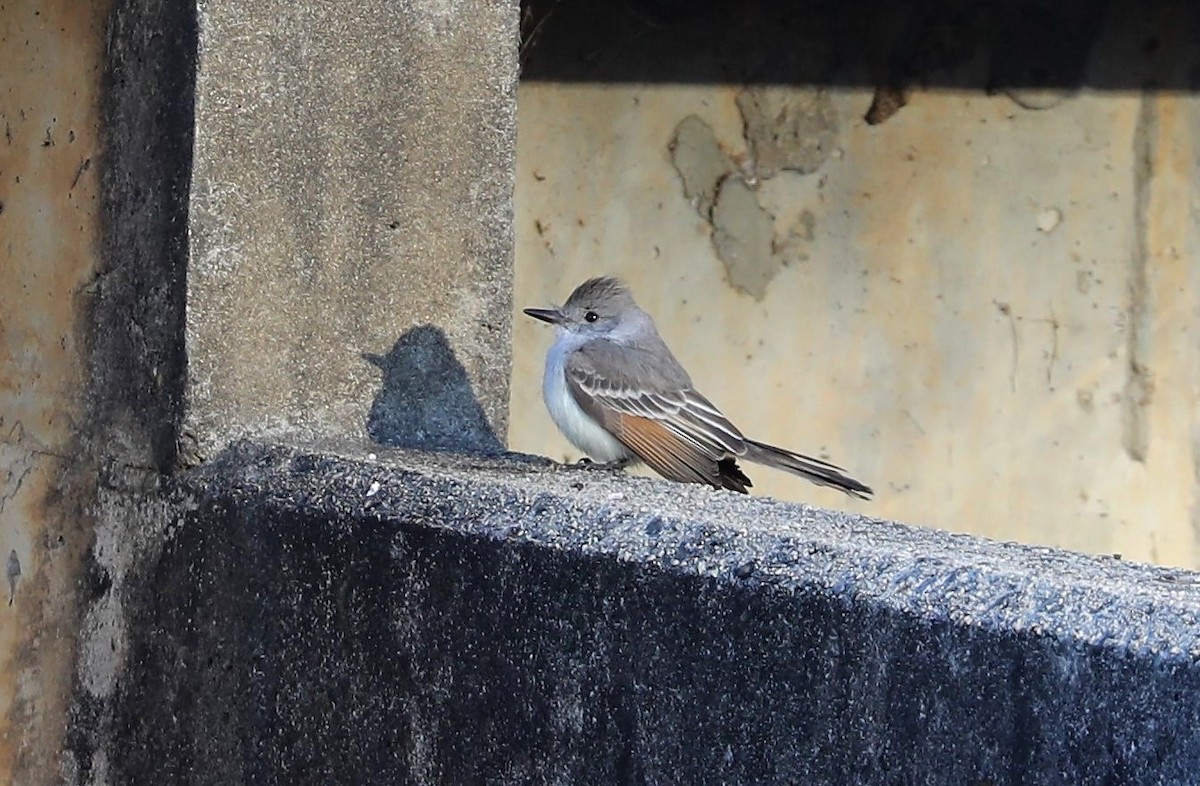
(575, 424)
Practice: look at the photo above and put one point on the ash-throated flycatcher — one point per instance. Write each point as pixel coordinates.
(618, 394)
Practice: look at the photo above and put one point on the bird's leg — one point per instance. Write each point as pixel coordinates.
(587, 463)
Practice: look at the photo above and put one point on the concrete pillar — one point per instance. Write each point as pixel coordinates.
(350, 221)
(223, 220)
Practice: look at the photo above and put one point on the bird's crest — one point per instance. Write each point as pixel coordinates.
(599, 289)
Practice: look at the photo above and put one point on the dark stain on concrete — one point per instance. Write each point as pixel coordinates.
(1139, 379)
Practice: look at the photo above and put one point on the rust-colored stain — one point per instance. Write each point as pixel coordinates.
(52, 56)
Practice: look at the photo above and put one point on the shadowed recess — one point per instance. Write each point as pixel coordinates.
(137, 301)
(995, 46)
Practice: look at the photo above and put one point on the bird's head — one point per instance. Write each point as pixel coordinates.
(597, 307)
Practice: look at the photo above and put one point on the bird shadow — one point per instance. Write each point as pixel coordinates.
(425, 399)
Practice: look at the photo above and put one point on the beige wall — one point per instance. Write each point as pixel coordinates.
(986, 312)
(49, 152)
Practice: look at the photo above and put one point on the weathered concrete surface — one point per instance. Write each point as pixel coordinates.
(439, 619)
(986, 311)
(51, 62)
(98, 203)
(352, 182)
(133, 325)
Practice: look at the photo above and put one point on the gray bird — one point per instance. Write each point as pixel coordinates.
(617, 393)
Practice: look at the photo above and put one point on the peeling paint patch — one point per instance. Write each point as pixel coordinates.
(744, 237)
(1049, 219)
(787, 128)
(743, 231)
(700, 162)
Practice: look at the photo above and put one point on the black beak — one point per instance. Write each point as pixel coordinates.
(551, 315)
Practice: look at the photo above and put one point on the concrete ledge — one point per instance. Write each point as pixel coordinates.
(319, 616)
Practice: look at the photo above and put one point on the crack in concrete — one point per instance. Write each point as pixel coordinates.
(1051, 356)
(1139, 381)
(15, 487)
(1006, 310)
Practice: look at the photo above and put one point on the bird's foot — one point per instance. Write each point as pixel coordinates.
(587, 463)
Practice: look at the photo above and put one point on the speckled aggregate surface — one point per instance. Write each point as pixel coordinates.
(453, 619)
(1103, 601)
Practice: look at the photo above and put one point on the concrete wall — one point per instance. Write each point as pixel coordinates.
(321, 616)
(217, 220)
(52, 63)
(981, 301)
(191, 259)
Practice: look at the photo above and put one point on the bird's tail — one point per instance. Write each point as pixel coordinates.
(820, 472)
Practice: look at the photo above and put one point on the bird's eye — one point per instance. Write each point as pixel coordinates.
(591, 316)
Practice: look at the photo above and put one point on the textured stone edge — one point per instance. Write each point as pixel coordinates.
(839, 647)
(1140, 610)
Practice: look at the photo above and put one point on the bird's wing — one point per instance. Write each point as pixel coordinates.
(648, 403)
(645, 399)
